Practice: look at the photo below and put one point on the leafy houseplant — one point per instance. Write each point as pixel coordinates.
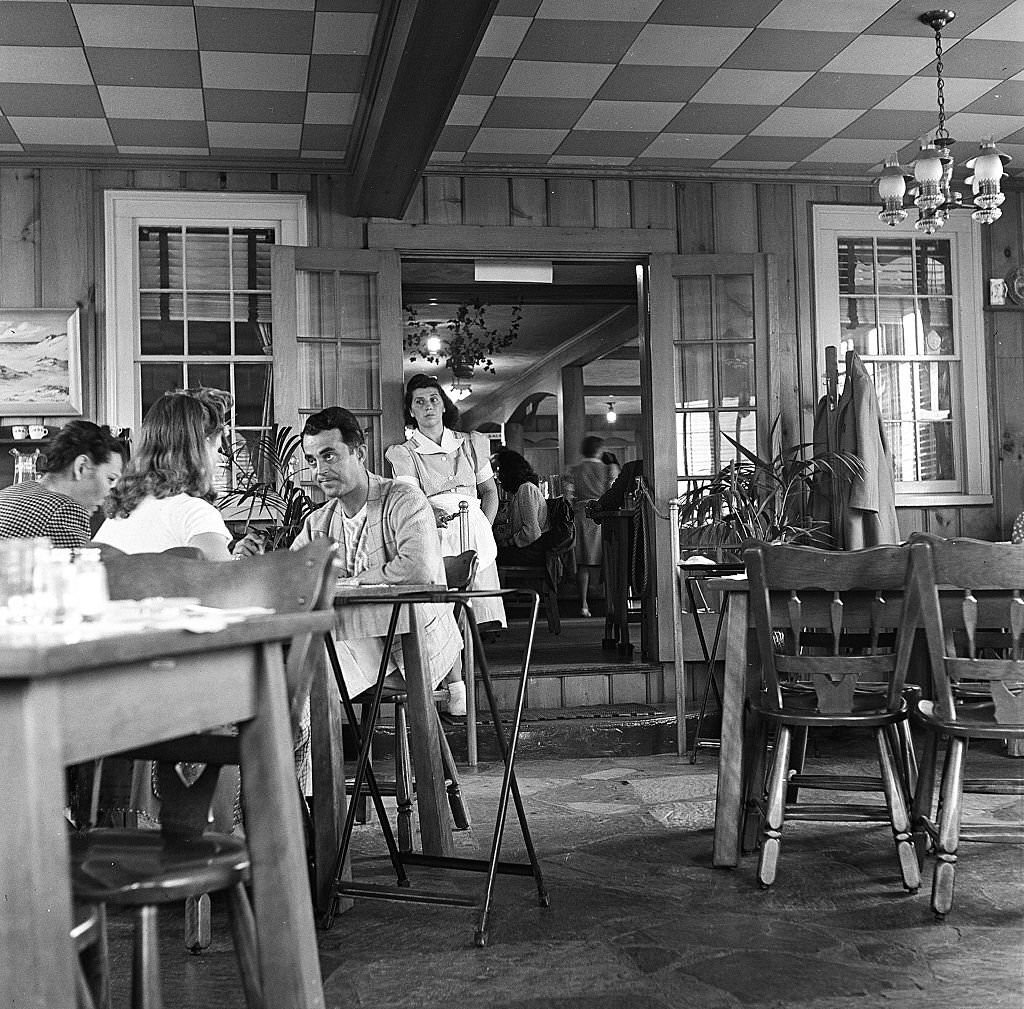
(464, 342)
(756, 498)
(268, 495)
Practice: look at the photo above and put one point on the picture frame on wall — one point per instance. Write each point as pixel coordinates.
(40, 362)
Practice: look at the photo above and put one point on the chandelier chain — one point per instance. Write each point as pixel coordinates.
(941, 133)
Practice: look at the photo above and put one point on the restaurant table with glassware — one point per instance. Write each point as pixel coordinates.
(69, 694)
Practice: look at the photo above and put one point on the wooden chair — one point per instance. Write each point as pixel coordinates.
(460, 570)
(89, 936)
(184, 861)
(813, 610)
(561, 540)
(971, 598)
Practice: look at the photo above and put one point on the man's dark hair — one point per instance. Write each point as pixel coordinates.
(450, 416)
(336, 418)
(80, 437)
(591, 445)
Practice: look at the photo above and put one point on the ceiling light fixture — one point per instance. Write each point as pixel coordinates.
(932, 177)
(611, 416)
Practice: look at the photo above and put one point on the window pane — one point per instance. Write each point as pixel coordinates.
(316, 292)
(318, 375)
(357, 301)
(895, 266)
(736, 375)
(214, 376)
(934, 260)
(695, 308)
(254, 401)
(857, 317)
(914, 390)
(158, 379)
(160, 257)
(360, 377)
(856, 266)
(696, 376)
(735, 307)
(693, 444)
(937, 326)
(922, 451)
(250, 259)
(898, 326)
(206, 259)
(253, 315)
(207, 338)
(742, 427)
(161, 336)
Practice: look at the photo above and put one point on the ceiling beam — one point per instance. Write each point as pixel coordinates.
(612, 391)
(526, 294)
(421, 53)
(591, 343)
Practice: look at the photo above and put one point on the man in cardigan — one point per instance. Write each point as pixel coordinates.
(388, 534)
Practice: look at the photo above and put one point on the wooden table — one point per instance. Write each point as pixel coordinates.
(63, 704)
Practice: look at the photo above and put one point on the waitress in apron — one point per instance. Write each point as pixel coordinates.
(451, 467)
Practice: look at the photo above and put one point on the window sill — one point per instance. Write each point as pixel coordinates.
(941, 500)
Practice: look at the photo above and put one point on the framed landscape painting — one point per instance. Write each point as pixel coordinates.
(40, 362)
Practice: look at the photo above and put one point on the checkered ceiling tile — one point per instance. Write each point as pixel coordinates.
(774, 87)
(256, 80)
(735, 86)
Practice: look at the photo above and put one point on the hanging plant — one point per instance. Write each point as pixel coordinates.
(465, 342)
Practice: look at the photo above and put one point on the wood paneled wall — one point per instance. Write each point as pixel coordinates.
(51, 255)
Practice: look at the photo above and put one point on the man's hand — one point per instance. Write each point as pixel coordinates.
(250, 545)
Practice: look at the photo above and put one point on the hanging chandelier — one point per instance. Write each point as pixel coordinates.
(463, 343)
(931, 179)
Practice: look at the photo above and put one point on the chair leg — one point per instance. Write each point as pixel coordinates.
(899, 817)
(924, 796)
(198, 930)
(146, 960)
(460, 814)
(755, 785)
(243, 931)
(775, 809)
(797, 759)
(403, 779)
(948, 840)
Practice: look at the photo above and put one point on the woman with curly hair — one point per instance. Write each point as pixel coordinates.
(164, 497)
(521, 539)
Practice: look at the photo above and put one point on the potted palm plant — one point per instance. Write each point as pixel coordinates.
(778, 498)
(267, 496)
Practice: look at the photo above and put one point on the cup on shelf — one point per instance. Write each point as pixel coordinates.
(37, 431)
(19, 431)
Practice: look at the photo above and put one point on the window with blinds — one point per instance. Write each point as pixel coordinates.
(906, 303)
(205, 319)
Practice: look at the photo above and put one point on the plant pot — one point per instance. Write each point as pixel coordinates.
(461, 368)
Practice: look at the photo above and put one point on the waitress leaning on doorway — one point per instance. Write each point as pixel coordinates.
(451, 467)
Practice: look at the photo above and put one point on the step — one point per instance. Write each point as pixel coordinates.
(600, 730)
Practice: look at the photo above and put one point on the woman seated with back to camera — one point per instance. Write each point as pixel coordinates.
(521, 531)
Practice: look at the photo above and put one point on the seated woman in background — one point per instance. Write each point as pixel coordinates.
(164, 497)
(525, 520)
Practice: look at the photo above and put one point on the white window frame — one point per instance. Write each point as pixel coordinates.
(971, 399)
(125, 212)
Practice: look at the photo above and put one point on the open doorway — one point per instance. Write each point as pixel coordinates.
(569, 370)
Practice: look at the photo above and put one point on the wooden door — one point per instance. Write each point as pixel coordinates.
(705, 356)
(338, 339)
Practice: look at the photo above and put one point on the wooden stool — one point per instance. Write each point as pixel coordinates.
(403, 786)
(143, 869)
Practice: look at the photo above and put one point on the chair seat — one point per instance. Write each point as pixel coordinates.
(973, 720)
(800, 708)
(141, 867)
